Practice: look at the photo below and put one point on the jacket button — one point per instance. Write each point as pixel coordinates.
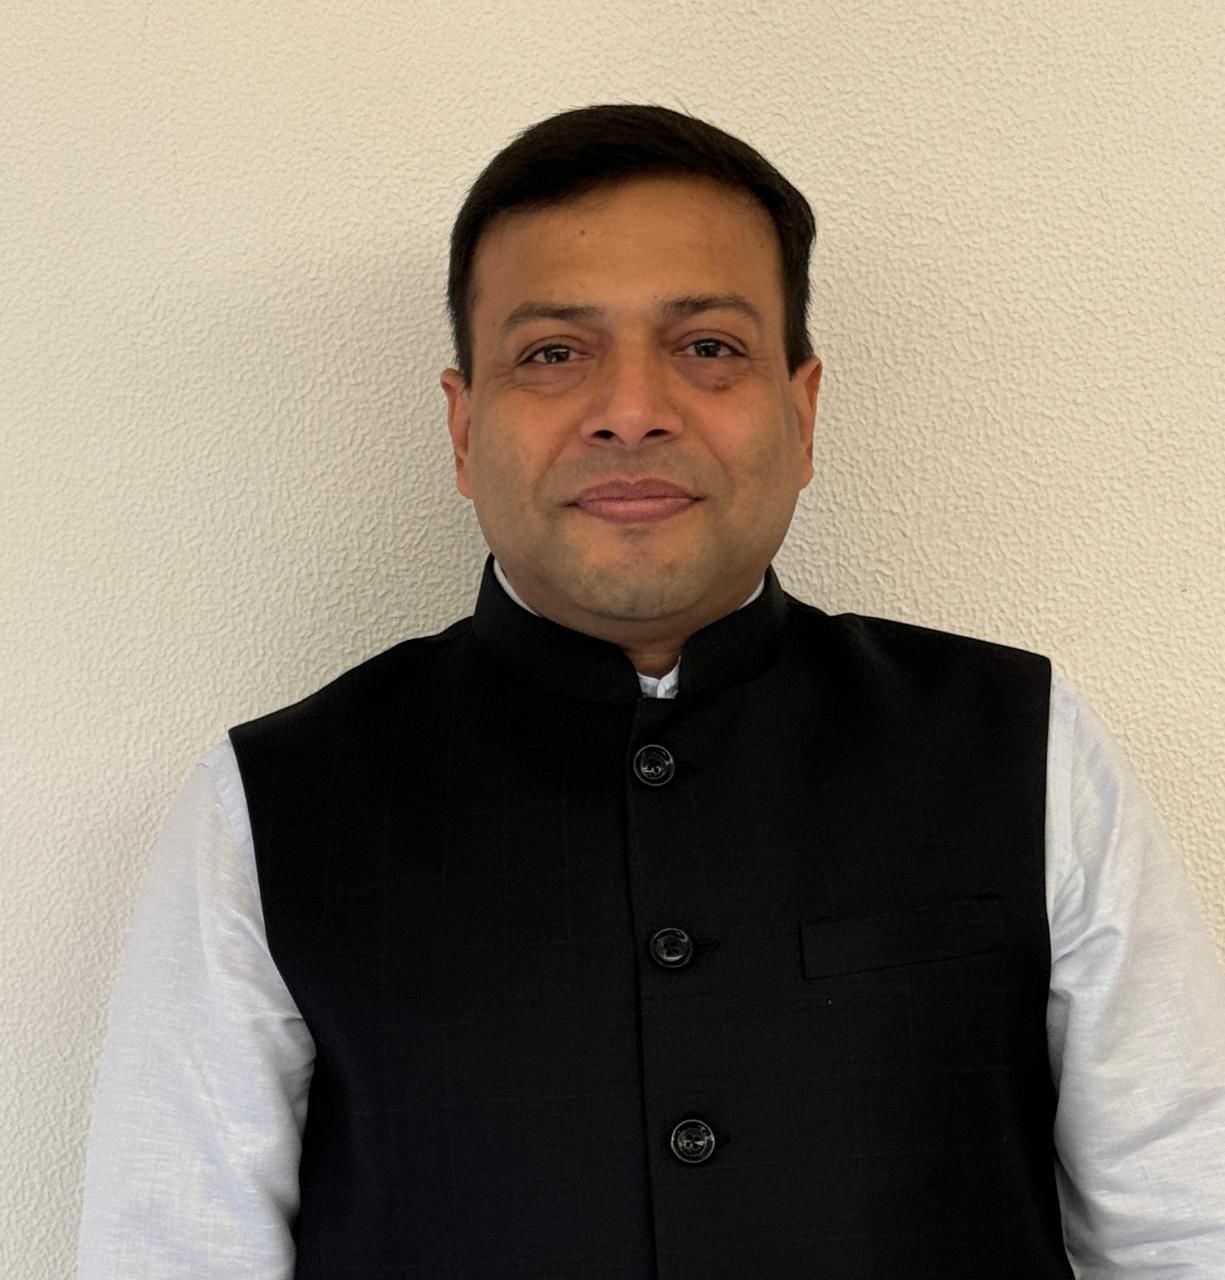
(693, 1141)
(671, 948)
(654, 765)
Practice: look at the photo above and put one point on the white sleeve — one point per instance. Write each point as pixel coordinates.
(1136, 1023)
(192, 1163)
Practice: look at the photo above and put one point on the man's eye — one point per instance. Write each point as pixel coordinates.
(714, 342)
(542, 351)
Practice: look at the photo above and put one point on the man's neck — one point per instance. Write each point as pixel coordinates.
(652, 662)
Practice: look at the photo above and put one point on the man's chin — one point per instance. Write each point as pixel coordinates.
(610, 578)
(641, 592)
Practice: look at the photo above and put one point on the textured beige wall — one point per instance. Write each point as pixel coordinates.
(225, 469)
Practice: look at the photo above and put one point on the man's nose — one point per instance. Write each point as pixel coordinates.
(633, 396)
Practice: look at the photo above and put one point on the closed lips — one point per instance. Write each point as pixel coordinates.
(613, 490)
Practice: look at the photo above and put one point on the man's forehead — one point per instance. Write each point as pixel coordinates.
(524, 271)
(642, 190)
(662, 209)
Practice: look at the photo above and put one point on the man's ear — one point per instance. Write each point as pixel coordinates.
(805, 386)
(459, 422)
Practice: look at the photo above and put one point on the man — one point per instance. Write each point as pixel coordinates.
(651, 922)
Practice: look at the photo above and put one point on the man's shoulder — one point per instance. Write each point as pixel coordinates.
(894, 644)
(368, 690)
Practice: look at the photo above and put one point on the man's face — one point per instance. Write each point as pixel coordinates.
(700, 398)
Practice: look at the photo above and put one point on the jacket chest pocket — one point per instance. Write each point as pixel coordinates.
(921, 935)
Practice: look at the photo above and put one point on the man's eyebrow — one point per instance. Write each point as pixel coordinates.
(671, 310)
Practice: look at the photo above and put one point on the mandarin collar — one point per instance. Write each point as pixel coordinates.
(729, 650)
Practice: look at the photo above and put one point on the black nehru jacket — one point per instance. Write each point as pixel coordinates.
(747, 983)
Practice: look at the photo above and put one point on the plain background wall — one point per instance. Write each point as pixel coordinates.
(226, 476)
